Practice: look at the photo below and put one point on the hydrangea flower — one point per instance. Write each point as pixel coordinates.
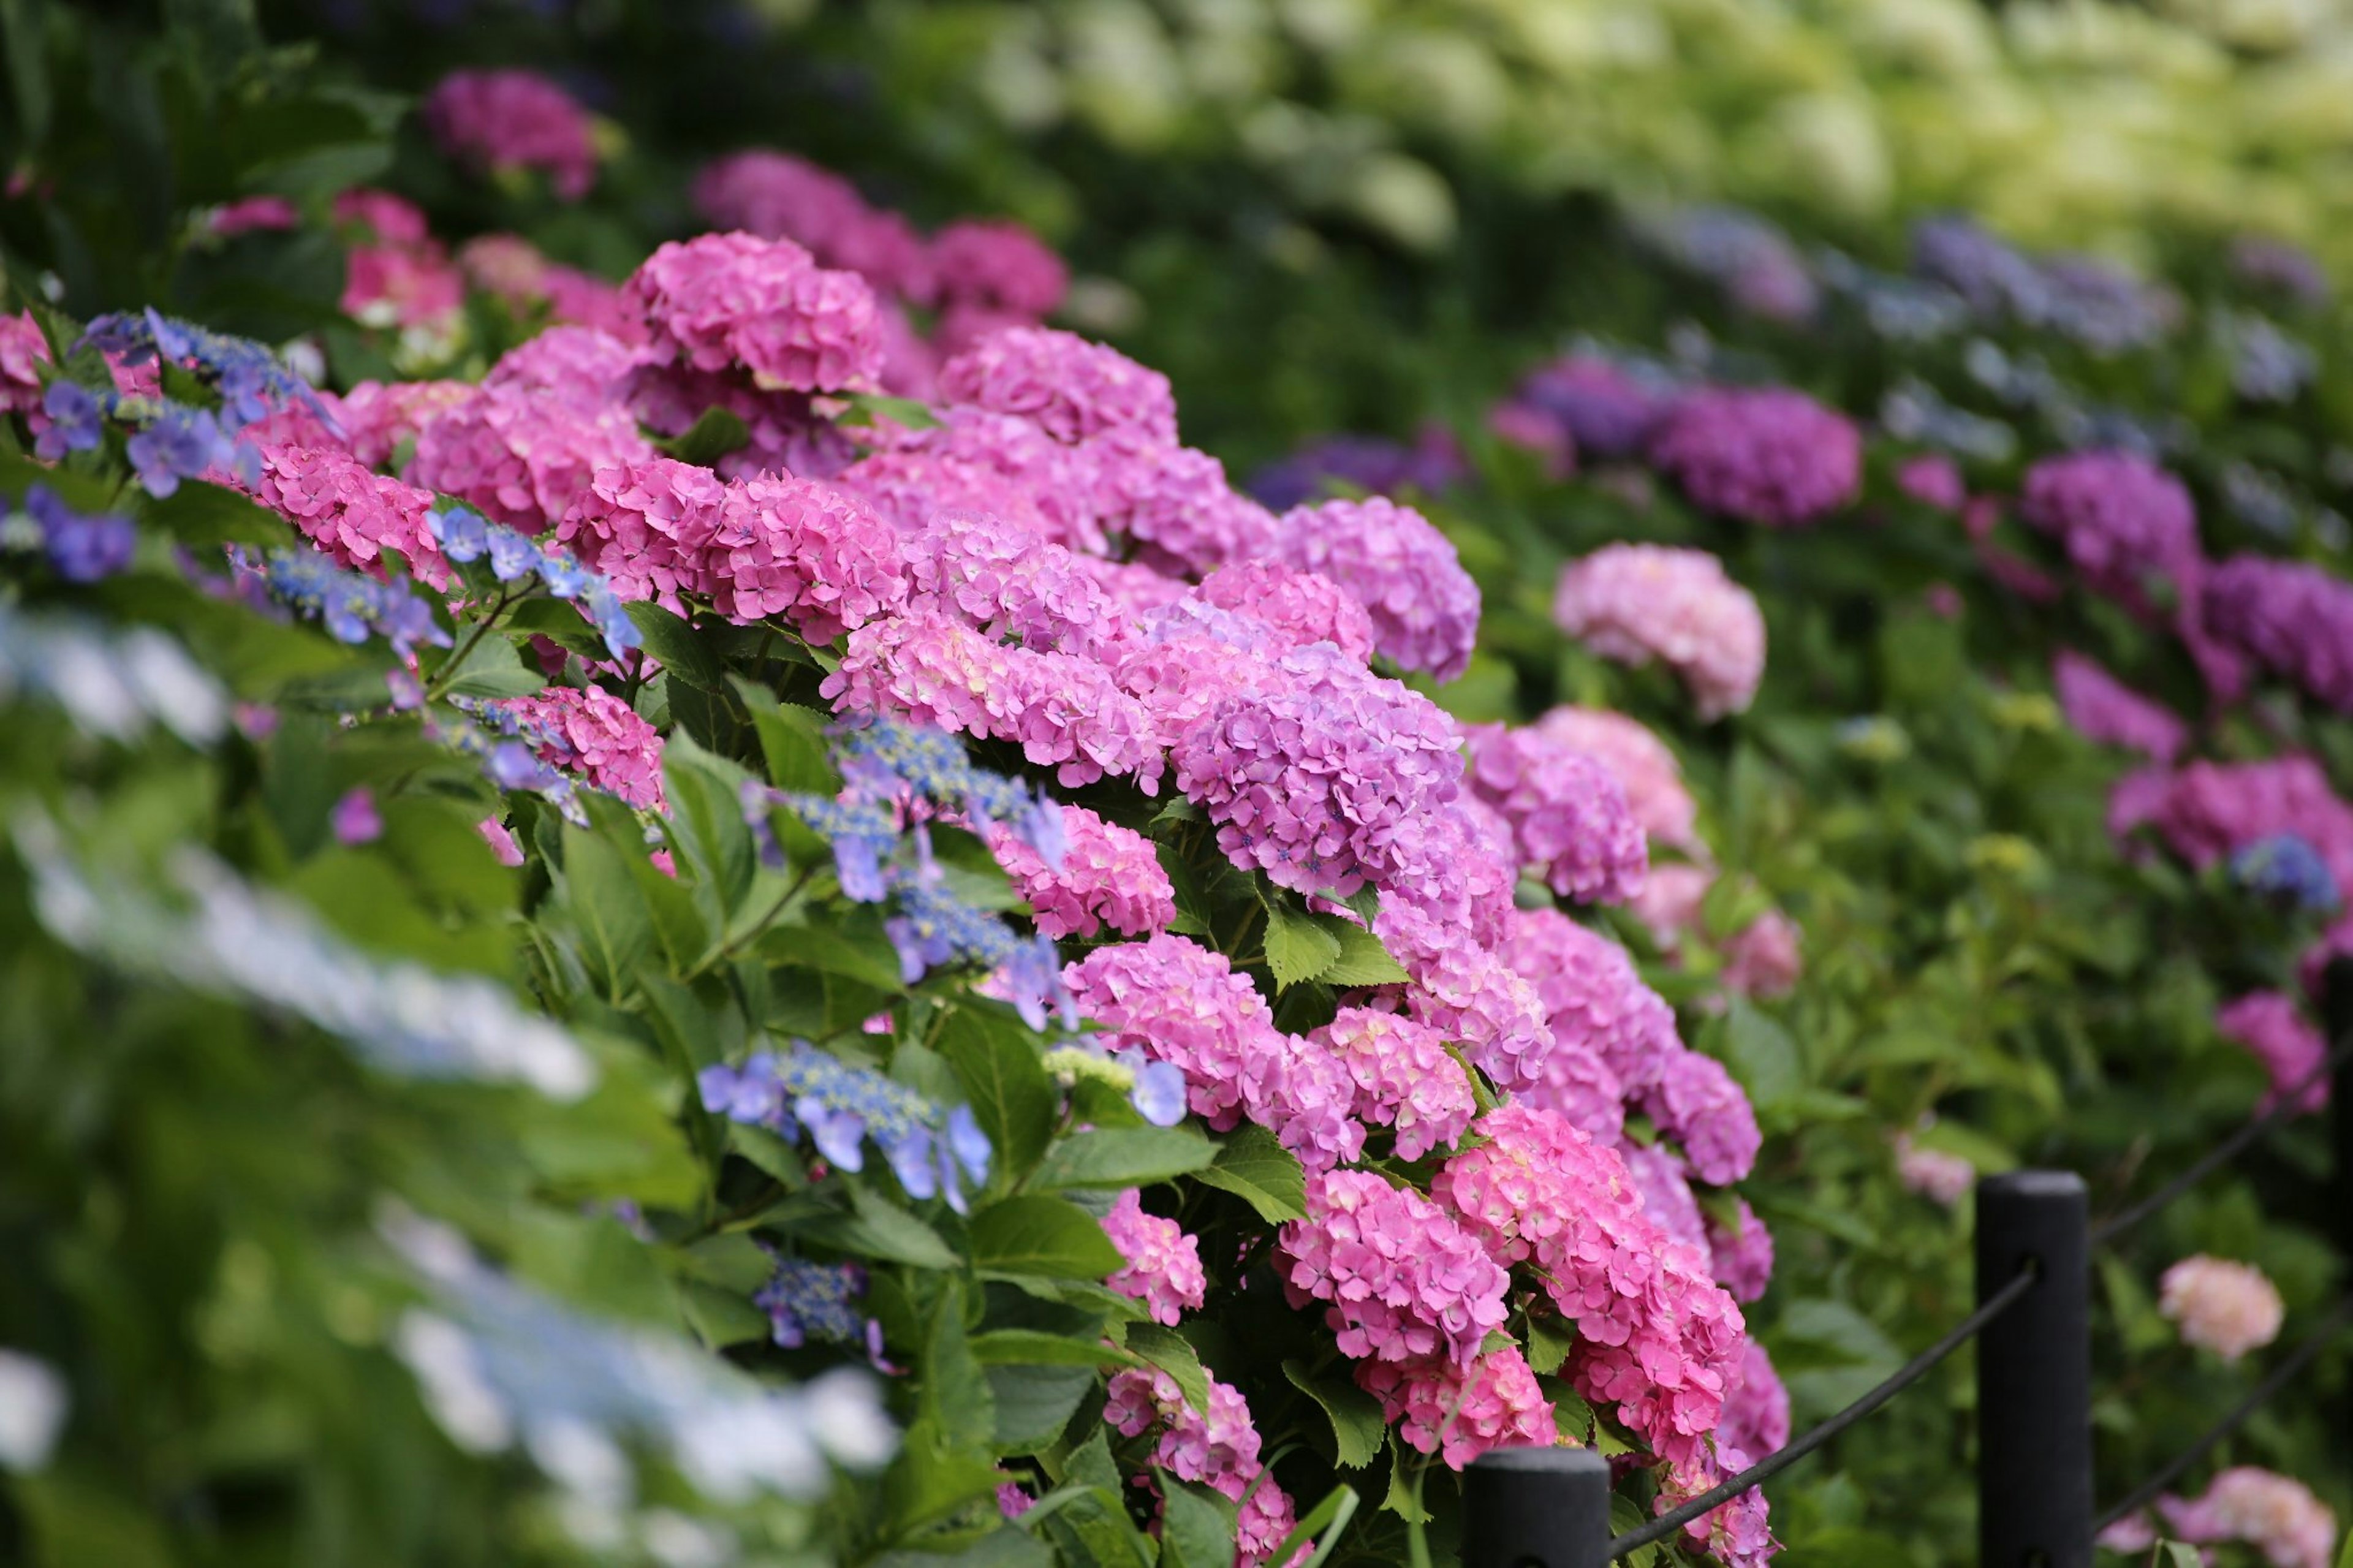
(805, 1301)
(1303, 607)
(2284, 867)
(648, 527)
(1762, 959)
(1469, 995)
(2277, 1033)
(1634, 603)
(1218, 1449)
(511, 268)
(81, 547)
(1108, 874)
(2210, 810)
(2102, 708)
(1071, 387)
(1757, 1413)
(1603, 407)
(2293, 618)
(1423, 605)
(1696, 1103)
(2277, 1514)
(1173, 501)
(1645, 767)
(501, 121)
(1164, 1264)
(778, 197)
(2118, 515)
(355, 516)
(1406, 1078)
(1735, 1533)
(354, 607)
(1432, 464)
(1440, 1408)
(1012, 582)
(1567, 811)
(594, 734)
(998, 265)
(1743, 1256)
(2224, 1307)
(1401, 1280)
(521, 459)
(733, 301)
(1940, 1177)
(808, 550)
(933, 1151)
(23, 349)
(1769, 456)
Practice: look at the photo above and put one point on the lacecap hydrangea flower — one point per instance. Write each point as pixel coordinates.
(934, 1151)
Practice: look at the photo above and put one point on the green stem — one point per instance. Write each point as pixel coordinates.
(474, 640)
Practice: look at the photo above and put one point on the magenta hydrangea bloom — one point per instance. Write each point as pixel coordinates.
(596, 736)
(1012, 582)
(23, 350)
(501, 121)
(586, 367)
(1406, 1078)
(1071, 387)
(1567, 811)
(1322, 775)
(808, 550)
(1635, 603)
(1424, 606)
(1065, 712)
(1438, 1408)
(1696, 1103)
(1933, 480)
(1108, 875)
(2103, 709)
(2209, 810)
(356, 516)
(380, 417)
(1469, 995)
(1174, 502)
(735, 301)
(1768, 455)
(1401, 1280)
(2294, 619)
(520, 458)
(2275, 1033)
(778, 197)
(648, 527)
(1743, 1256)
(2120, 517)
(1757, 1413)
(1652, 778)
(1164, 1265)
(1305, 606)
(998, 265)
(975, 460)
(1595, 1002)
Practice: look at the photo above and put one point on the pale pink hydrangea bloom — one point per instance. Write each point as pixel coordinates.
(586, 367)
(1736, 1534)
(1063, 711)
(1933, 1173)
(1696, 1103)
(1108, 875)
(1164, 1264)
(1437, 1408)
(1463, 871)
(1469, 995)
(778, 197)
(2218, 1305)
(1765, 455)
(1218, 1449)
(498, 120)
(1762, 959)
(1401, 1280)
(355, 516)
(735, 301)
(1567, 811)
(1181, 670)
(1669, 903)
(811, 552)
(1652, 778)
(1305, 606)
(999, 265)
(520, 458)
(380, 417)
(1634, 603)
(1009, 582)
(2273, 1513)
(381, 217)
(2103, 709)
(2277, 1033)
(647, 526)
(976, 459)
(396, 273)
(597, 736)
(1405, 1080)
(1424, 606)
(1071, 387)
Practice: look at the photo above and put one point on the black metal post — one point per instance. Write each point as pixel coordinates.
(1536, 1508)
(2034, 1373)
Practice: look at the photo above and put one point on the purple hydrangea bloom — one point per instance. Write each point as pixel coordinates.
(81, 549)
(2296, 619)
(74, 421)
(1431, 464)
(1770, 456)
(2120, 516)
(1608, 409)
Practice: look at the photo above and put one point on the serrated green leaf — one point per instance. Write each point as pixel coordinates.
(1196, 1525)
(1549, 1342)
(722, 1317)
(713, 436)
(1297, 946)
(1034, 1403)
(1004, 1082)
(1033, 1347)
(877, 1227)
(683, 651)
(1358, 1424)
(1044, 1236)
(601, 892)
(1363, 960)
(1170, 1351)
(792, 739)
(559, 622)
(1130, 1157)
(1262, 1172)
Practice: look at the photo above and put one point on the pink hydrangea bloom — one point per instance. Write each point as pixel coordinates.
(406, 287)
(1218, 1449)
(2294, 619)
(1439, 1409)
(2277, 1515)
(1743, 1256)
(2211, 809)
(23, 350)
(1933, 480)
(1424, 606)
(729, 301)
(1463, 871)
(597, 736)
(1656, 1337)
(1762, 959)
(1401, 1280)
(811, 552)
(382, 218)
(1405, 1080)
(1634, 603)
(1173, 501)
(1108, 875)
(1659, 1179)
(784, 435)
(2103, 709)
(648, 527)
(1305, 606)
(252, 214)
(380, 417)
(521, 459)
(501, 841)
(1595, 1003)
(1469, 995)
(1064, 711)
(583, 367)
(1012, 582)
(2275, 1033)
(512, 269)
(1669, 903)
(778, 197)
(1164, 1264)
(1567, 811)
(1735, 1534)
(2224, 1307)
(1652, 778)
(2120, 517)
(976, 460)
(356, 516)
(1768, 455)
(1696, 1103)
(1071, 387)
(1182, 672)
(1757, 1413)
(1321, 777)
(1000, 265)
(498, 121)
(1935, 1174)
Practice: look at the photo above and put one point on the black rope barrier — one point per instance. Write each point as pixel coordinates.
(2291, 1104)
(1765, 1469)
(2273, 1381)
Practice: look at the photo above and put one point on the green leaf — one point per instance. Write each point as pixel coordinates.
(855, 949)
(559, 622)
(952, 1394)
(1005, 1082)
(1262, 1172)
(602, 894)
(1171, 1354)
(1357, 1426)
(2181, 1554)
(1196, 1525)
(492, 669)
(877, 1227)
(865, 408)
(1297, 947)
(1033, 1403)
(672, 911)
(709, 439)
(932, 1477)
(1033, 1347)
(1132, 1157)
(1042, 1235)
(1763, 1057)
(1006, 1546)
(207, 514)
(792, 737)
(1549, 1342)
(1092, 1527)
(721, 1317)
(682, 652)
(1328, 1518)
(1363, 960)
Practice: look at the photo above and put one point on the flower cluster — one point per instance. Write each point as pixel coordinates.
(1432, 464)
(464, 537)
(356, 516)
(1768, 456)
(2294, 619)
(1406, 1078)
(589, 734)
(2278, 1516)
(1163, 1267)
(503, 120)
(2208, 811)
(1423, 605)
(1458, 1413)
(2277, 1033)
(1217, 1448)
(1589, 404)
(2224, 1307)
(2119, 516)
(1108, 874)
(81, 547)
(521, 457)
(352, 608)
(2282, 867)
(1401, 1281)
(725, 303)
(1070, 387)
(1567, 813)
(512, 270)
(397, 276)
(807, 1302)
(2103, 709)
(1646, 769)
(1635, 603)
(934, 1151)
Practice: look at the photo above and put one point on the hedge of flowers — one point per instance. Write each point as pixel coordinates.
(925, 977)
